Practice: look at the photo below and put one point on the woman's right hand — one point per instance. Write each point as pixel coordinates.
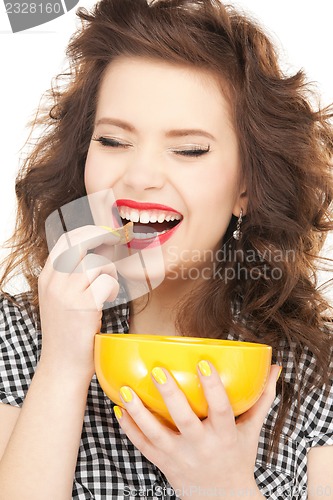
(72, 288)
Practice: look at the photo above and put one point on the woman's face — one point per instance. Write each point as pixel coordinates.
(163, 142)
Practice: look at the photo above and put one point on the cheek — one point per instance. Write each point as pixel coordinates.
(97, 172)
(217, 191)
(88, 172)
(213, 203)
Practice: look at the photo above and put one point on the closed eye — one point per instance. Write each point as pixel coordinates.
(110, 142)
(194, 152)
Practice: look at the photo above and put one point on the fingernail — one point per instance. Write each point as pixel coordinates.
(126, 394)
(159, 375)
(278, 376)
(118, 412)
(205, 368)
(124, 233)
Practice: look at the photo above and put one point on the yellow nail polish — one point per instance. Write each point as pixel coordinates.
(118, 412)
(159, 375)
(124, 233)
(126, 394)
(277, 378)
(204, 368)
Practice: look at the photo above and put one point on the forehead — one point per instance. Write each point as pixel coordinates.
(139, 87)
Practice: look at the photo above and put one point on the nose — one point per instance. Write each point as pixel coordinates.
(144, 171)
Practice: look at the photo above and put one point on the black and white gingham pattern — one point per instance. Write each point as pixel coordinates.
(109, 467)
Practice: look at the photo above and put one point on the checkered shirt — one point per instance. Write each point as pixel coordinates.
(109, 467)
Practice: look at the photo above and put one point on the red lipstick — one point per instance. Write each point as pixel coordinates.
(138, 205)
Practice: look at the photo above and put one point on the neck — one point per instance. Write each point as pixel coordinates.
(156, 314)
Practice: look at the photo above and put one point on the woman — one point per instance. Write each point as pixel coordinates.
(180, 109)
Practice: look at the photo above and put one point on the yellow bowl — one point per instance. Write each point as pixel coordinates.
(128, 359)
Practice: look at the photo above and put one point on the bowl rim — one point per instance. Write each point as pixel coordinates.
(182, 340)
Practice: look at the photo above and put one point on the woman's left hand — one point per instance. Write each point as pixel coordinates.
(215, 454)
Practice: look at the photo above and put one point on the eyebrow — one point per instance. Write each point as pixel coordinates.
(170, 133)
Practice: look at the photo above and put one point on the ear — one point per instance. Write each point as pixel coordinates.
(241, 202)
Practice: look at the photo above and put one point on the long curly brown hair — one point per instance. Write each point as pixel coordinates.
(286, 158)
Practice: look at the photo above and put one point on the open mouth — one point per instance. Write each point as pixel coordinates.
(150, 222)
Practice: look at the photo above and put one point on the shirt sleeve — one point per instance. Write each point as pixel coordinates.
(19, 349)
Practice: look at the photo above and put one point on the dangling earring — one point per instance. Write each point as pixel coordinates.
(238, 234)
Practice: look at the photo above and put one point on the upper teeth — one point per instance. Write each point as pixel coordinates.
(146, 216)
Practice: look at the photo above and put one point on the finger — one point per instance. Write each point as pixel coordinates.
(104, 287)
(178, 406)
(257, 413)
(220, 413)
(157, 433)
(91, 263)
(92, 266)
(148, 448)
(74, 245)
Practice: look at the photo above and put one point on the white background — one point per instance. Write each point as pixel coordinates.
(30, 59)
